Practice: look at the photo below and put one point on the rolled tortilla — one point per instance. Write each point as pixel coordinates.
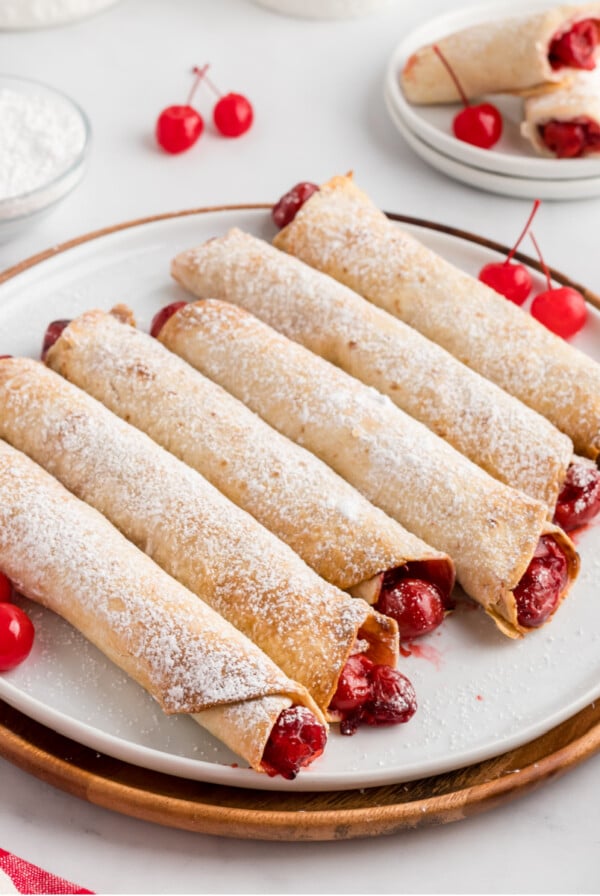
(495, 56)
(64, 555)
(342, 233)
(575, 109)
(493, 429)
(329, 524)
(199, 537)
(491, 531)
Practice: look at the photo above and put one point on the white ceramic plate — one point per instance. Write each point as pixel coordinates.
(502, 184)
(513, 155)
(479, 693)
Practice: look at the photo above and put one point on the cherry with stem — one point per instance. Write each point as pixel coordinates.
(178, 128)
(512, 281)
(479, 125)
(233, 114)
(561, 309)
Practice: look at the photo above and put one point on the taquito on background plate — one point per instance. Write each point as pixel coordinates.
(335, 530)
(495, 430)
(190, 529)
(67, 557)
(340, 231)
(490, 530)
(496, 56)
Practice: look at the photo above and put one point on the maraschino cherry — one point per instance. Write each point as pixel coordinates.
(511, 280)
(179, 127)
(233, 114)
(16, 629)
(479, 125)
(561, 309)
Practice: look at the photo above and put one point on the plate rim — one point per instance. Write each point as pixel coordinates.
(25, 265)
(491, 181)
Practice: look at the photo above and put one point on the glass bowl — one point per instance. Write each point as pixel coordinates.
(18, 212)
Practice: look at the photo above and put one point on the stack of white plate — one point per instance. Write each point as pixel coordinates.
(512, 167)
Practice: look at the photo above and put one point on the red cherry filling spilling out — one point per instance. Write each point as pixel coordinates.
(417, 596)
(571, 139)
(284, 211)
(539, 590)
(579, 500)
(561, 309)
(5, 589)
(296, 740)
(162, 316)
(16, 636)
(372, 694)
(576, 47)
(417, 606)
(479, 125)
(511, 280)
(53, 331)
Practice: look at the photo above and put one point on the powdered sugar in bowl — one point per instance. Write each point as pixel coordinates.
(44, 143)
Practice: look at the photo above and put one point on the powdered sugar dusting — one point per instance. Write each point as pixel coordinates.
(65, 555)
(341, 232)
(217, 550)
(488, 529)
(292, 493)
(479, 419)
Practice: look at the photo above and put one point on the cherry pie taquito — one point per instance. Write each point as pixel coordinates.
(335, 530)
(341, 232)
(309, 628)
(519, 54)
(508, 557)
(492, 428)
(67, 557)
(565, 124)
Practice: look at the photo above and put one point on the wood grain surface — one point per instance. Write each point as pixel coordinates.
(267, 815)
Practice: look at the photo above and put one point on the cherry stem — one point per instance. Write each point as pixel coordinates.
(202, 74)
(510, 255)
(542, 262)
(450, 71)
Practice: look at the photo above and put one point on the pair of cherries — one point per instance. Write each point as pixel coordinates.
(178, 128)
(16, 629)
(560, 309)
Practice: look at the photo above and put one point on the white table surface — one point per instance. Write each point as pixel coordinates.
(316, 87)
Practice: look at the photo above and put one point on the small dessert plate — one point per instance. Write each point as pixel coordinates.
(492, 182)
(513, 155)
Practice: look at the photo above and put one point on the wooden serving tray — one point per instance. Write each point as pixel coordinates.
(267, 815)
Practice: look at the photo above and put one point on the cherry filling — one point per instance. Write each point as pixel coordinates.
(290, 203)
(52, 333)
(576, 47)
(417, 596)
(571, 139)
(538, 592)
(579, 500)
(162, 316)
(296, 740)
(370, 694)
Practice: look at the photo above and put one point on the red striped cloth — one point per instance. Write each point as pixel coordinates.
(19, 876)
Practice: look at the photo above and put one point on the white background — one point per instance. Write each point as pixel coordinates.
(316, 87)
